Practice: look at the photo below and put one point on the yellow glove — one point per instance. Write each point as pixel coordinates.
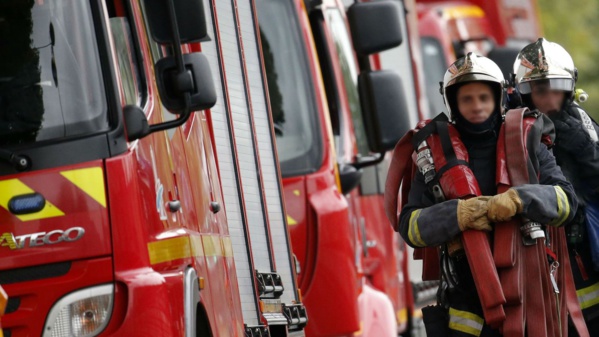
(504, 206)
(472, 214)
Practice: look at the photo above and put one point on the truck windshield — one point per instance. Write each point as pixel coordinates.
(50, 79)
(290, 88)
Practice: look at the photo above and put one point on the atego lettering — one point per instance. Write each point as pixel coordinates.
(41, 239)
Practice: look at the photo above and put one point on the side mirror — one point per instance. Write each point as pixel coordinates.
(374, 26)
(136, 122)
(349, 177)
(196, 80)
(184, 80)
(384, 108)
(190, 18)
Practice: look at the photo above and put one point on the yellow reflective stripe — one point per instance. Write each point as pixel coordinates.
(402, 316)
(589, 296)
(169, 249)
(465, 328)
(563, 207)
(212, 246)
(413, 231)
(13, 187)
(89, 180)
(182, 247)
(196, 245)
(227, 246)
(461, 12)
(467, 315)
(465, 322)
(566, 205)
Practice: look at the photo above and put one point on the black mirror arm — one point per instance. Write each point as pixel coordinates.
(364, 63)
(176, 123)
(177, 39)
(183, 79)
(369, 160)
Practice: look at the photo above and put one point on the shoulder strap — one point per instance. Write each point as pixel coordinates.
(517, 165)
(429, 129)
(451, 158)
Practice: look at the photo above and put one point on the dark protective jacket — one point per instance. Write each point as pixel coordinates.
(436, 223)
(578, 156)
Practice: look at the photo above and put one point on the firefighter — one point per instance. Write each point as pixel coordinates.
(546, 79)
(474, 93)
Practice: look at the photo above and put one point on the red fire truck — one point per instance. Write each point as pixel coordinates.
(125, 212)
(449, 29)
(330, 117)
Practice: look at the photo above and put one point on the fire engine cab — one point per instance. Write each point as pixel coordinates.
(139, 182)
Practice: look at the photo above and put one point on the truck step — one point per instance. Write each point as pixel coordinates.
(256, 331)
(297, 318)
(270, 285)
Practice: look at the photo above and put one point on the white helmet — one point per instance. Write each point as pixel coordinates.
(472, 68)
(544, 60)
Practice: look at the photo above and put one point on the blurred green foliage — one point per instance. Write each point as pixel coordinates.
(574, 25)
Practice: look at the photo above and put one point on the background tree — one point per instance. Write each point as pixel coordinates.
(574, 25)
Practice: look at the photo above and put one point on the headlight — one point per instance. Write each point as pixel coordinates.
(81, 314)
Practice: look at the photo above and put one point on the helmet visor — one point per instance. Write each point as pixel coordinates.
(563, 84)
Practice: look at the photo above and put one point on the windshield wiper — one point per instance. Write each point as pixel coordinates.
(18, 162)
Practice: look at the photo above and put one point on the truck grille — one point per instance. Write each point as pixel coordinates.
(34, 273)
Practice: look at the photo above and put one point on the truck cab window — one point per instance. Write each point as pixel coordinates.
(290, 88)
(328, 78)
(347, 62)
(158, 52)
(433, 57)
(51, 83)
(127, 61)
(125, 39)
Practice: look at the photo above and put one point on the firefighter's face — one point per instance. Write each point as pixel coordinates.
(475, 102)
(545, 99)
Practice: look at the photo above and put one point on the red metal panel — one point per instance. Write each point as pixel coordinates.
(77, 210)
(154, 305)
(324, 240)
(37, 297)
(386, 262)
(332, 292)
(162, 169)
(299, 229)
